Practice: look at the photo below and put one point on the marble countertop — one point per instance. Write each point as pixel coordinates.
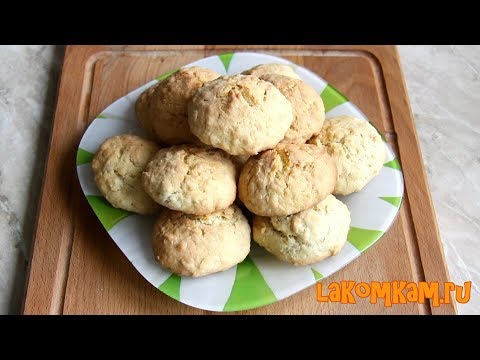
(444, 88)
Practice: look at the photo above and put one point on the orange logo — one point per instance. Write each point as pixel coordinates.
(395, 292)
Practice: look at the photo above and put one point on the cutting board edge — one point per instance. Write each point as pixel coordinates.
(82, 54)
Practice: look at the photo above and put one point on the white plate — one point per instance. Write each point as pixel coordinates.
(260, 279)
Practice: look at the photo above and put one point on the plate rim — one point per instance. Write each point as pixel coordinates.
(311, 73)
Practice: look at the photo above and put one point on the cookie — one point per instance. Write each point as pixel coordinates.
(306, 237)
(162, 108)
(240, 114)
(192, 245)
(286, 180)
(307, 106)
(193, 179)
(357, 149)
(117, 168)
(266, 69)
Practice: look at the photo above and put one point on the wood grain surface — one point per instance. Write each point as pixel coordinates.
(77, 269)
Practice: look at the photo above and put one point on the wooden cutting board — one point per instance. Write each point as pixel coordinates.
(77, 269)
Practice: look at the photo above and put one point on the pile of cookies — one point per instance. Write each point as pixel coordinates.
(230, 158)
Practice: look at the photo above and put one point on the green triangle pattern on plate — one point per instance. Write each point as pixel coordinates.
(226, 59)
(394, 164)
(171, 286)
(332, 97)
(394, 200)
(108, 215)
(362, 238)
(250, 290)
(317, 275)
(101, 116)
(83, 157)
(164, 76)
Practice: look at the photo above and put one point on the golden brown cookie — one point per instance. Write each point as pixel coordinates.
(357, 149)
(162, 109)
(240, 114)
(118, 166)
(266, 69)
(287, 179)
(192, 245)
(306, 237)
(193, 179)
(307, 106)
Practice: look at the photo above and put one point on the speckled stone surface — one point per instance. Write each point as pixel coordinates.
(28, 81)
(444, 89)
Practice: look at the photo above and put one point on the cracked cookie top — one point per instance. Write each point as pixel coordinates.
(162, 109)
(287, 179)
(240, 114)
(193, 179)
(193, 245)
(117, 168)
